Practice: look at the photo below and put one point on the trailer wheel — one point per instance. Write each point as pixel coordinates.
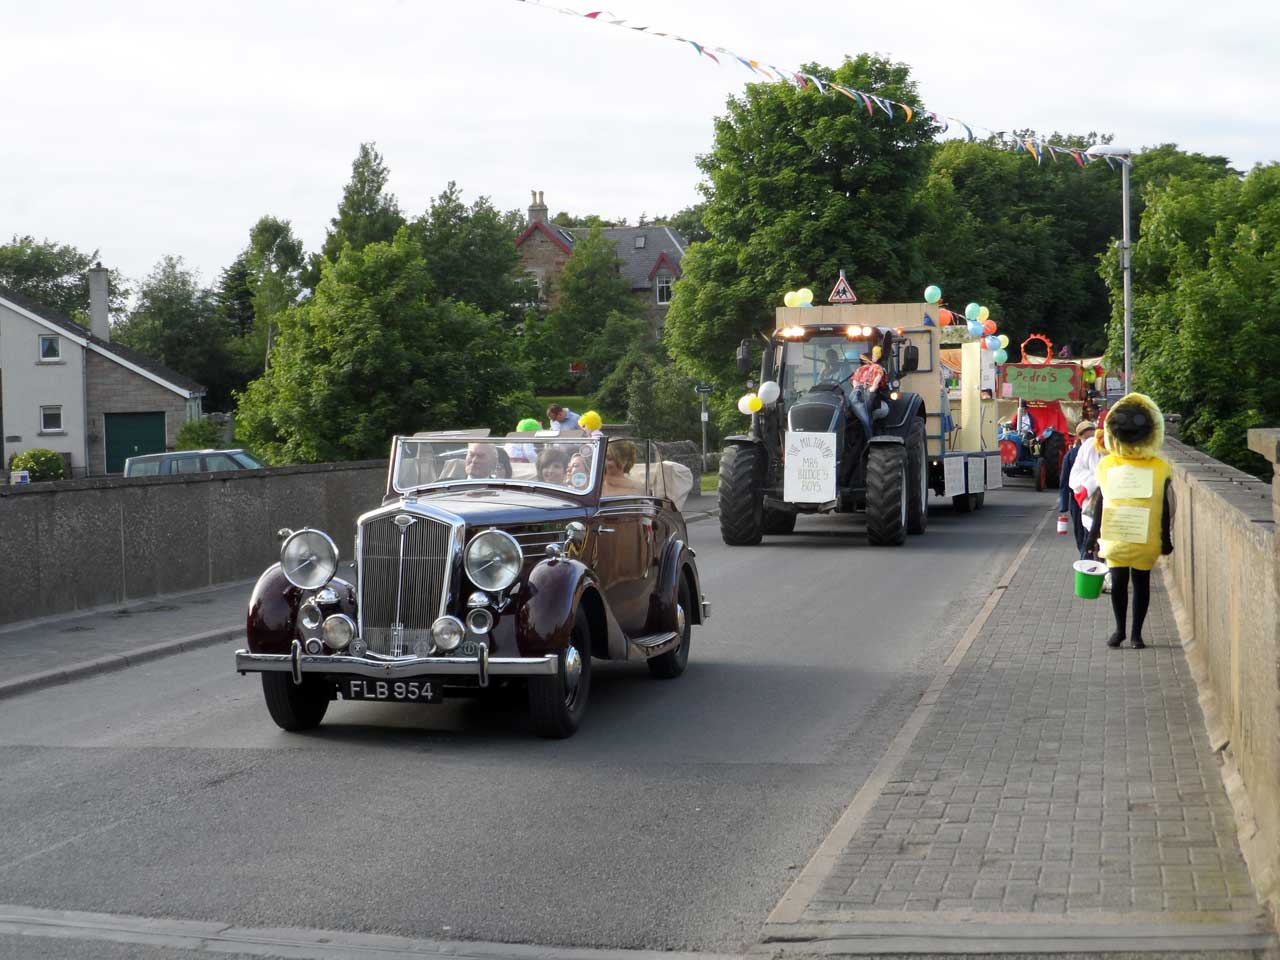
(741, 495)
(1042, 470)
(966, 502)
(887, 495)
(917, 479)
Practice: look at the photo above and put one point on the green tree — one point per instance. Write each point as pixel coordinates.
(596, 321)
(177, 323)
(688, 223)
(799, 186)
(1206, 271)
(377, 352)
(566, 219)
(471, 254)
(367, 213)
(56, 275)
(234, 297)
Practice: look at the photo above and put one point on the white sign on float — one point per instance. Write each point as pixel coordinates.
(988, 371)
(953, 476)
(995, 472)
(810, 475)
(977, 474)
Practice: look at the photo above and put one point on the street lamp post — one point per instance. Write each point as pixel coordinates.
(1125, 156)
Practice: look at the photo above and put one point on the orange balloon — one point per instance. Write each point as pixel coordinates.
(989, 327)
(945, 317)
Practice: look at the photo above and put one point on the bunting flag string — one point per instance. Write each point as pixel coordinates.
(1030, 145)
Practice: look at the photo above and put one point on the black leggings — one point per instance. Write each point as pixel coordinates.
(1120, 597)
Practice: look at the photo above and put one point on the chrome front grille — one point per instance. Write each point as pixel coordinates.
(404, 572)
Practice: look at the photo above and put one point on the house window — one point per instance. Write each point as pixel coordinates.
(50, 348)
(664, 288)
(51, 419)
(640, 242)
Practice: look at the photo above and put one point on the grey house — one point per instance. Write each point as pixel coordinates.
(73, 391)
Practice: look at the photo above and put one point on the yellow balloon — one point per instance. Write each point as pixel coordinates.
(1004, 341)
(804, 295)
(755, 403)
(983, 314)
(590, 421)
(790, 299)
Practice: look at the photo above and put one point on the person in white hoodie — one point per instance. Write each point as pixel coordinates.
(1084, 472)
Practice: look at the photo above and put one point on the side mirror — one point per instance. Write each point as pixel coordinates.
(910, 362)
(744, 357)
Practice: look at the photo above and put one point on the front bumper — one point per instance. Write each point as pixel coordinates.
(481, 668)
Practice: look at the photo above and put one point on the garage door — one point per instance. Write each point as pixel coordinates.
(130, 435)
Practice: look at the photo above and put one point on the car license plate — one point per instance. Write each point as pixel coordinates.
(399, 691)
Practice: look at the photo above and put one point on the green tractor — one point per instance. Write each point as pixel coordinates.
(821, 443)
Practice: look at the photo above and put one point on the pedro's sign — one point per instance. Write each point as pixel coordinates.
(1042, 381)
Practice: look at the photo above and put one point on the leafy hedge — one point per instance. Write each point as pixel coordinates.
(41, 464)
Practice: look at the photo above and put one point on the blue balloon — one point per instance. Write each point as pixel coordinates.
(974, 328)
(993, 343)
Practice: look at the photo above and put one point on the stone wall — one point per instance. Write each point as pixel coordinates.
(1224, 572)
(77, 544)
(544, 258)
(113, 388)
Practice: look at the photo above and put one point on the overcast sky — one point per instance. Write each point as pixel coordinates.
(148, 128)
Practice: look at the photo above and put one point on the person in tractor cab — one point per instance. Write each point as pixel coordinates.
(873, 378)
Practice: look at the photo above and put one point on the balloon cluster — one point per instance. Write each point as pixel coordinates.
(978, 323)
(750, 403)
(799, 298)
(590, 421)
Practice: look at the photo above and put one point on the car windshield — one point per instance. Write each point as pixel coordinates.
(246, 461)
(568, 465)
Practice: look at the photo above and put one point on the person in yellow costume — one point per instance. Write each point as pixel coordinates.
(1133, 501)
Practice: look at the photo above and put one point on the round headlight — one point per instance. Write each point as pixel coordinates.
(309, 615)
(309, 559)
(447, 632)
(479, 620)
(493, 560)
(339, 630)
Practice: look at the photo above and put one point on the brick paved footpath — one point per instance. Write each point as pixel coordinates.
(1057, 788)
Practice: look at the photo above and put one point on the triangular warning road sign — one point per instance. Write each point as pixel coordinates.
(842, 292)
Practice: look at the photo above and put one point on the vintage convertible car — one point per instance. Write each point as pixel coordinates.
(488, 562)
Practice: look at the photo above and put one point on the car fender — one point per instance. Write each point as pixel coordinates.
(550, 599)
(677, 561)
(273, 612)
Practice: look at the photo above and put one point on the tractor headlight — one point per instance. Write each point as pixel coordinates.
(492, 560)
(309, 559)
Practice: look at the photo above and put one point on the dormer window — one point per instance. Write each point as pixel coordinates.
(663, 286)
(640, 242)
(50, 348)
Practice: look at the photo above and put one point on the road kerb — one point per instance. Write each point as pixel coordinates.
(117, 661)
(790, 909)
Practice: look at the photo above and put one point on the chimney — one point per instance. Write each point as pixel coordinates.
(98, 302)
(537, 209)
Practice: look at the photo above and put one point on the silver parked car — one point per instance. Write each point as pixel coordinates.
(190, 461)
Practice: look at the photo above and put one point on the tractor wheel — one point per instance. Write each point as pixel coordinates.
(917, 479)
(1052, 451)
(887, 495)
(1042, 471)
(779, 521)
(741, 495)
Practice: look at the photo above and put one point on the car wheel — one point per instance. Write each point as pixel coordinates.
(295, 706)
(557, 704)
(672, 663)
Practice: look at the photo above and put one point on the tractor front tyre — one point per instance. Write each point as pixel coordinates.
(1042, 474)
(779, 521)
(917, 479)
(741, 495)
(887, 495)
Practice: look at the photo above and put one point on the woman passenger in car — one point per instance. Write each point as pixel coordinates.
(618, 459)
(553, 464)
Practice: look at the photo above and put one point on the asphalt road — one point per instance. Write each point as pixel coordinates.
(675, 819)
